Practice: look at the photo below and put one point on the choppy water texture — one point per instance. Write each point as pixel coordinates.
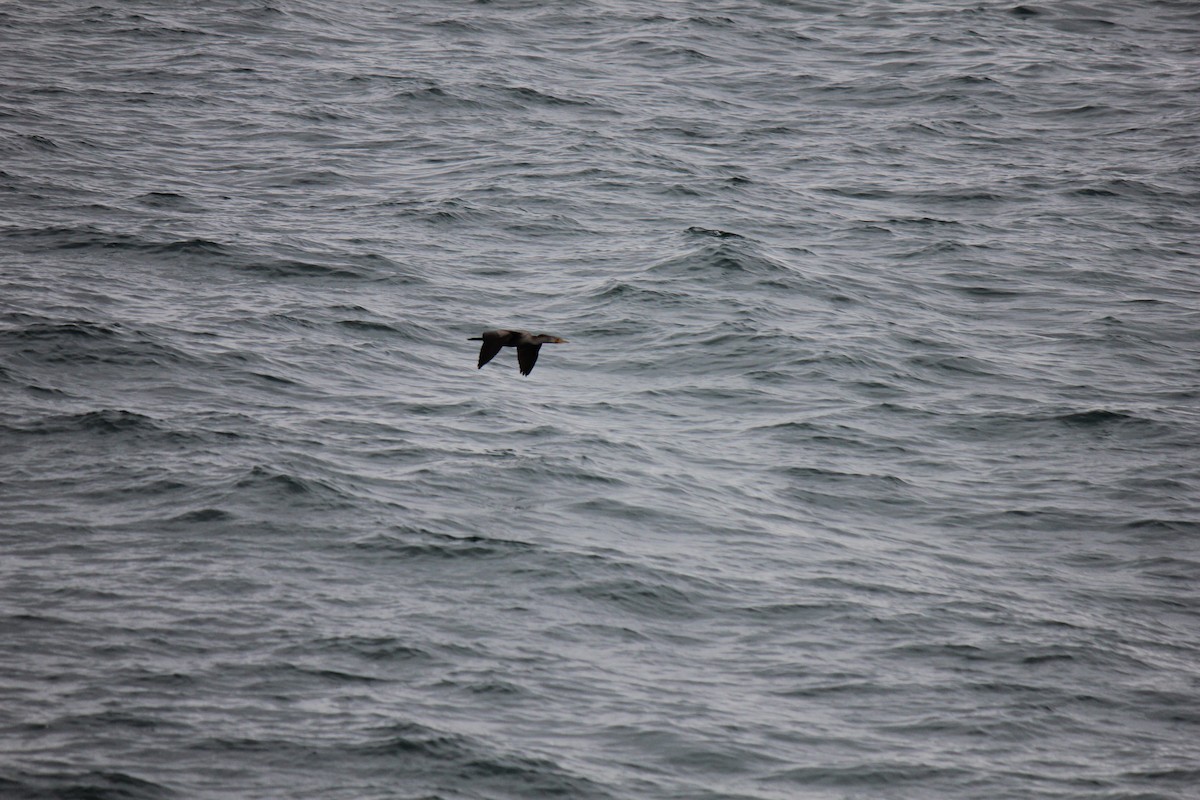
(870, 470)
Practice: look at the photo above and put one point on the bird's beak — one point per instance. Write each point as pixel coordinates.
(562, 341)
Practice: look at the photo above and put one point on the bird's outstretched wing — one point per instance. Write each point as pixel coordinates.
(491, 346)
(527, 356)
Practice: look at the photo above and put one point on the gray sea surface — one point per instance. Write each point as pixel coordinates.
(871, 469)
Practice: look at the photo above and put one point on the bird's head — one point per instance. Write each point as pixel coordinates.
(548, 339)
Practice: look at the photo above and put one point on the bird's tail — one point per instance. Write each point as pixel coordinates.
(475, 339)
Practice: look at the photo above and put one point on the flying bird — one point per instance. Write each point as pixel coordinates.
(526, 343)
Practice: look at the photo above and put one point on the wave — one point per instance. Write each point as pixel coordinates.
(428, 754)
(414, 544)
(98, 784)
(208, 252)
(41, 340)
(103, 421)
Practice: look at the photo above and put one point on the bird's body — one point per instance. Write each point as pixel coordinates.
(526, 343)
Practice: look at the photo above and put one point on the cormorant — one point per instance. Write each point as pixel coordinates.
(526, 343)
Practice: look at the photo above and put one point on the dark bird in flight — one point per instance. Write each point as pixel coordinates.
(526, 343)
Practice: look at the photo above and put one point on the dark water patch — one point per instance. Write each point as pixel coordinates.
(921, 221)
(414, 739)
(641, 598)
(1081, 24)
(439, 98)
(1098, 423)
(263, 484)
(274, 751)
(526, 776)
(824, 362)
(883, 777)
(726, 264)
(202, 516)
(407, 544)
(556, 226)
(368, 326)
(628, 291)
(104, 421)
(495, 688)
(820, 475)
(638, 589)
(1184, 776)
(951, 366)
(111, 421)
(370, 648)
(173, 681)
(800, 429)
(829, 686)
(624, 510)
(35, 619)
(37, 142)
(294, 268)
(169, 201)
(989, 292)
(797, 612)
(1094, 192)
(1121, 187)
(684, 191)
(550, 471)
(527, 96)
(275, 379)
(91, 239)
(713, 232)
(898, 590)
(204, 248)
(939, 248)
(407, 330)
(106, 721)
(150, 488)
(1166, 526)
(1094, 418)
(457, 25)
(82, 342)
(332, 675)
(1167, 568)
(455, 761)
(492, 690)
(1086, 110)
(1055, 658)
(87, 785)
(449, 211)
(1170, 705)
(1044, 658)
(30, 328)
(589, 631)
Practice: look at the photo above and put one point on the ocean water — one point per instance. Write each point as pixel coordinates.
(871, 469)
